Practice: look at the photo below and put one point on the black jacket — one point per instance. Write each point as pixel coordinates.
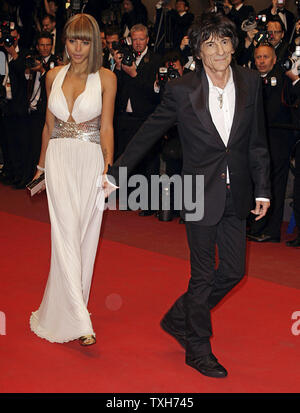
(139, 89)
(185, 101)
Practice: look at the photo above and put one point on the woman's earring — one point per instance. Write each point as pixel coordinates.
(68, 56)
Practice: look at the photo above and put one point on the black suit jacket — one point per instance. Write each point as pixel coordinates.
(185, 101)
(18, 104)
(42, 102)
(139, 89)
(238, 16)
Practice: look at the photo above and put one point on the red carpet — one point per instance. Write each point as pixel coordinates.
(132, 289)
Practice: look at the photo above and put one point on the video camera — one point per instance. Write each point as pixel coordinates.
(167, 73)
(6, 27)
(129, 55)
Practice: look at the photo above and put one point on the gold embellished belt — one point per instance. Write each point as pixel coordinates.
(85, 131)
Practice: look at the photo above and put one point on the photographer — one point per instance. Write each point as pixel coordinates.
(245, 51)
(276, 90)
(276, 33)
(175, 25)
(37, 65)
(14, 107)
(293, 75)
(135, 12)
(237, 12)
(111, 37)
(278, 9)
(171, 152)
(136, 70)
(49, 25)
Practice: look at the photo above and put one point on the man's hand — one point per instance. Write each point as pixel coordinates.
(12, 51)
(261, 209)
(118, 59)
(130, 70)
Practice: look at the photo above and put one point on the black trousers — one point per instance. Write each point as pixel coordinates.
(296, 201)
(35, 124)
(279, 145)
(15, 144)
(207, 286)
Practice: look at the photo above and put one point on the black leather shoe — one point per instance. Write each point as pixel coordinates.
(263, 238)
(166, 325)
(293, 243)
(208, 366)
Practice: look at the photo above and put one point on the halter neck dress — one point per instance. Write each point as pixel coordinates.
(73, 168)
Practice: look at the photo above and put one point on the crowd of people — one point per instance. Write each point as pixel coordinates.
(144, 56)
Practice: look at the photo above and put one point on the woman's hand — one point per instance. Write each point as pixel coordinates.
(36, 176)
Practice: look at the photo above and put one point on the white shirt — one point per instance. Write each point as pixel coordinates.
(36, 93)
(222, 117)
(6, 80)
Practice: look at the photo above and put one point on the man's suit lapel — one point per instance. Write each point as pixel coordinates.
(199, 100)
(240, 100)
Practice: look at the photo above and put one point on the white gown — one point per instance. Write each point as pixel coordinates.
(73, 167)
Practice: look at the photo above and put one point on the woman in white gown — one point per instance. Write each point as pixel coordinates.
(77, 146)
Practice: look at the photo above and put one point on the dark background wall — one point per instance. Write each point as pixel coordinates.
(197, 6)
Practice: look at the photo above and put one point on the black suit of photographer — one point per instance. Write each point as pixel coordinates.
(173, 28)
(14, 113)
(280, 140)
(36, 117)
(143, 99)
(139, 91)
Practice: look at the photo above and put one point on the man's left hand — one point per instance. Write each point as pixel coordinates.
(261, 209)
(130, 70)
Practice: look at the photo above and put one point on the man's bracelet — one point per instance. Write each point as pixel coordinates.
(38, 167)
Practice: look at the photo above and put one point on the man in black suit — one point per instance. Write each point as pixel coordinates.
(276, 31)
(49, 25)
(275, 86)
(112, 37)
(219, 113)
(14, 111)
(237, 11)
(136, 98)
(277, 8)
(36, 68)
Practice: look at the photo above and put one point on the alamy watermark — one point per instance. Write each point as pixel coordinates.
(296, 325)
(2, 324)
(187, 193)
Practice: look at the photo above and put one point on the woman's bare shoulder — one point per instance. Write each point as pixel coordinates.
(107, 77)
(52, 73)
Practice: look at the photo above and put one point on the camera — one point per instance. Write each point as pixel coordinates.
(6, 28)
(167, 73)
(129, 55)
(292, 61)
(31, 61)
(262, 35)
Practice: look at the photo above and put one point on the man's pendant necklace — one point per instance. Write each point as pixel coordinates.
(220, 99)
